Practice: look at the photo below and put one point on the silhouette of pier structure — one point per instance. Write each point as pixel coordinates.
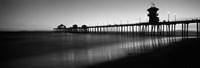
(146, 28)
(153, 27)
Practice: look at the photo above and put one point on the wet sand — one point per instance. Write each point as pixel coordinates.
(183, 54)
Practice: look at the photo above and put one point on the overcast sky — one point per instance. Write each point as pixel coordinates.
(48, 14)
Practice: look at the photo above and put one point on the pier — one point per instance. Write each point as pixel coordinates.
(161, 28)
(145, 28)
(151, 28)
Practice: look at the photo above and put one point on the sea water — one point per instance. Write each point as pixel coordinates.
(67, 50)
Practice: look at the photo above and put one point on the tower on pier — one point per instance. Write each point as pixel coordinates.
(153, 15)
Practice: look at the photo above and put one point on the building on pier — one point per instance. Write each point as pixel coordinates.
(60, 28)
(84, 28)
(153, 15)
(76, 29)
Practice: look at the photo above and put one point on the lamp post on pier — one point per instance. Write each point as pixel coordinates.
(175, 16)
(139, 19)
(168, 13)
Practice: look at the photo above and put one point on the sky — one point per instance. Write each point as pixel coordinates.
(16, 15)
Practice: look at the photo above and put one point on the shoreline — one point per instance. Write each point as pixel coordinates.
(180, 54)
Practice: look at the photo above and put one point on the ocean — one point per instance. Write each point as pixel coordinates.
(71, 50)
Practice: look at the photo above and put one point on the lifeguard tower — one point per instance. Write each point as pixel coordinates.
(153, 15)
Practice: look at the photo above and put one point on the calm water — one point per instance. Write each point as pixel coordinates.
(62, 50)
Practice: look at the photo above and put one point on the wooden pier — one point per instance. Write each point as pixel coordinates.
(151, 28)
(145, 28)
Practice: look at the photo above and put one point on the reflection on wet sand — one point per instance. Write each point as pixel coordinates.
(74, 58)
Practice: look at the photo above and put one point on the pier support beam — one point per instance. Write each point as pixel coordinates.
(121, 29)
(197, 29)
(169, 26)
(187, 28)
(136, 31)
(147, 29)
(182, 29)
(133, 30)
(174, 29)
(127, 29)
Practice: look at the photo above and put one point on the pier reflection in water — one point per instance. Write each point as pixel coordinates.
(83, 57)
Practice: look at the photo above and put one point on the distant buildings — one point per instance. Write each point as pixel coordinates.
(74, 29)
